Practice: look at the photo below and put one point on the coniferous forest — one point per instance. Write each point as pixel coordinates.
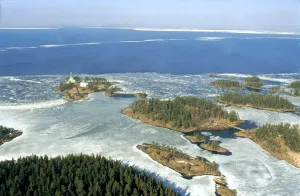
(257, 100)
(76, 175)
(290, 134)
(182, 111)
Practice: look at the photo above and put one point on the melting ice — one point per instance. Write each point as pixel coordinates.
(54, 127)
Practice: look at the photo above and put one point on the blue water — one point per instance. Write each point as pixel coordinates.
(22, 52)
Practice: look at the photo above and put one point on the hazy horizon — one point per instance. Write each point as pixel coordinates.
(269, 15)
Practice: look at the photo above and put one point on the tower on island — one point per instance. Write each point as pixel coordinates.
(71, 79)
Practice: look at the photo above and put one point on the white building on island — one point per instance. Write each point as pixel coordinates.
(83, 84)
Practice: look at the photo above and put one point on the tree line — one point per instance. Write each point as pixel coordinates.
(289, 133)
(76, 175)
(184, 112)
(257, 100)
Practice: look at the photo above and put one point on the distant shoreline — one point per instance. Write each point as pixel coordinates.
(236, 31)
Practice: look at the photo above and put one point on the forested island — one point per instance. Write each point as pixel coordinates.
(78, 88)
(178, 161)
(253, 83)
(259, 101)
(8, 134)
(282, 141)
(77, 175)
(227, 84)
(185, 114)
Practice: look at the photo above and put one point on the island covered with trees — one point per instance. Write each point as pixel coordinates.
(282, 140)
(78, 88)
(77, 175)
(253, 83)
(8, 134)
(259, 101)
(185, 114)
(227, 84)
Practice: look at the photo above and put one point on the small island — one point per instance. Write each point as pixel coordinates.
(222, 189)
(213, 146)
(227, 84)
(195, 137)
(253, 83)
(258, 101)
(282, 141)
(178, 161)
(78, 88)
(184, 114)
(8, 134)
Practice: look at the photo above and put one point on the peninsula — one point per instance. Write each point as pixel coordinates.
(184, 114)
(258, 101)
(8, 134)
(78, 88)
(282, 141)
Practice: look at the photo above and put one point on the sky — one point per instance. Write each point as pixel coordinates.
(280, 15)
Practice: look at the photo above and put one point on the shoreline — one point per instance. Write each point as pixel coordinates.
(250, 106)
